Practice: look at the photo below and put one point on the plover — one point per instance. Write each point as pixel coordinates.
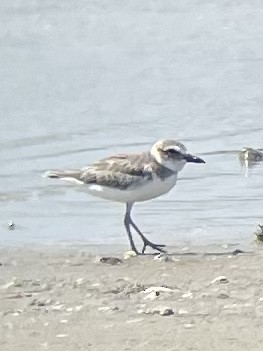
(134, 177)
(249, 156)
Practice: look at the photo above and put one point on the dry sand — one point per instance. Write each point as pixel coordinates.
(66, 299)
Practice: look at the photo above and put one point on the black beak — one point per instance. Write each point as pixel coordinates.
(194, 159)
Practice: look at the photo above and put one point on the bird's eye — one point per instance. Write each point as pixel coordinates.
(172, 151)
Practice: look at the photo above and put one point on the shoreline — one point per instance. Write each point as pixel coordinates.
(250, 243)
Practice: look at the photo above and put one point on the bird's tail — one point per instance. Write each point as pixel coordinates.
(69, 175)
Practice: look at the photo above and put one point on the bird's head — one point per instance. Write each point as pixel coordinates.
(173, 155)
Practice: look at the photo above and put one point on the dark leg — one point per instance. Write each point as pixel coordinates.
(127, 222)
(147, 242)
(127, 226)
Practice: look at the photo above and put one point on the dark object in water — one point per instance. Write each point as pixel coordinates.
(11, 225)
(259, 232)
(249, 157)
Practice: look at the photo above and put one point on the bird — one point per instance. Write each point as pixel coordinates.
(249, 156)
(133, 177)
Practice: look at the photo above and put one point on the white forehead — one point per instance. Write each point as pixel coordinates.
(244, 149)
(170, 144)
(174, 147)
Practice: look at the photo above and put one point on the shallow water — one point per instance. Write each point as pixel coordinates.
(80, 81)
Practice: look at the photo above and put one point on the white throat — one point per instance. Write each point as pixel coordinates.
(175, 166)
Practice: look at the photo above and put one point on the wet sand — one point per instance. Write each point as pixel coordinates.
(70, 299)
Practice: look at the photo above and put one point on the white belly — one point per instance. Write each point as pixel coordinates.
(145, 192)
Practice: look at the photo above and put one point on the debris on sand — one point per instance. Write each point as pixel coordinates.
(187, 295)
(110, 260)
(220, 279)
(157, 289)
(108, 308)
(129, 254)
(162, 257)
(161, 310)
(222, 295)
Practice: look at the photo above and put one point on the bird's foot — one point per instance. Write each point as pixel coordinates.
(158, 247)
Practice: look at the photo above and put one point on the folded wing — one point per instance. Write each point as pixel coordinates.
(121, 171)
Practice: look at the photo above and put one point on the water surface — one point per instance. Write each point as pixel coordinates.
(82, 80)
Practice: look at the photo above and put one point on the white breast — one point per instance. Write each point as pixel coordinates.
(143, 192)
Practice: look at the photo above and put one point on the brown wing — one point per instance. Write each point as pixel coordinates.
(121, 171)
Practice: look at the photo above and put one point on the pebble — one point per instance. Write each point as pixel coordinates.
(162, 257)
(79, 281)
(16, 314)
(188, 295)
(220, 279)
(161, 310)
(41, 303)
(110, 260)
(78, 308)
(166, 311)
(233, 305)
(96, 284)
(129, 254)
(182, 312)
(188, 325)
(222, 296)
(157, 289)
(63, 321)
(57, 307)
(108, 309)
(152, 295)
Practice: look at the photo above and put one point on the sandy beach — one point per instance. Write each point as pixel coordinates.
(84, 298)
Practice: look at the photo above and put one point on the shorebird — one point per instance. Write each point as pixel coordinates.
(249, 156)
(134, 177)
